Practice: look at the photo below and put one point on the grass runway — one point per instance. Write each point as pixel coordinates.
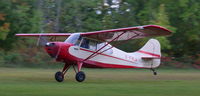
(100, 82)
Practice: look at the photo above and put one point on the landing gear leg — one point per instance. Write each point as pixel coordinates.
(154, 71)
(59, 76)
(80, 76)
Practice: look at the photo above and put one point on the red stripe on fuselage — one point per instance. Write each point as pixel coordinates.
(106, 55)
(156, 55)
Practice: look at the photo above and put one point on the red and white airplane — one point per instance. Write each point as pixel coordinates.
(93, 49)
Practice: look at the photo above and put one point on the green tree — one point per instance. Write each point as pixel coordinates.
(162, 19)
(20, 17)
(184, 15)
(4, 22)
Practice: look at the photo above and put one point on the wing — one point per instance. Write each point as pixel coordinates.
(113, 34)
(44, 34)
(128, 33)
(48, 36)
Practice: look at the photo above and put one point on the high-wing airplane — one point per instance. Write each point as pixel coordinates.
(93, 49)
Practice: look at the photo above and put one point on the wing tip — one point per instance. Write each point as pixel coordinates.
(160, 27)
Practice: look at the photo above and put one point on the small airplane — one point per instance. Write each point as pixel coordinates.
(94, 49)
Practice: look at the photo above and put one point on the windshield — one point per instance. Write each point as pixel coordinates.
(73, 38)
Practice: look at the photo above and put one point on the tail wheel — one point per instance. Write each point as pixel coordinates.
(59, 76)
(154, 71)
(80, 76)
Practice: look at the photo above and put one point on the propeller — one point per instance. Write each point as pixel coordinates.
(42, 41)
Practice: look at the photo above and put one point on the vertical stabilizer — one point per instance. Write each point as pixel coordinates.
(152, 47)
(150, 54)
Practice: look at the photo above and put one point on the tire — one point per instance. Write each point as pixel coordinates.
(59, 76)
(80, 76)
(154, 73)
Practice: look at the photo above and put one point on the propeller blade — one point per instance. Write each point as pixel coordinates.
(42, 40)
(59, 50)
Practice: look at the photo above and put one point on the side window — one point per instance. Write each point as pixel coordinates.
(93, 45)
(88, 44)
(85, 43)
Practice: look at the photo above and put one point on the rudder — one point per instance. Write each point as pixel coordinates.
(152, 46)
(151, 54)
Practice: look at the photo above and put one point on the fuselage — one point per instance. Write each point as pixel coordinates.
(96, 54)
(66, 52)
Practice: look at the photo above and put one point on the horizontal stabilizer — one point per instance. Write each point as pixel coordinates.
(150, 58)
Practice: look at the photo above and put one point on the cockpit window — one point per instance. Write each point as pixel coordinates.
(95, 45)
(73, 38)
(85, 43)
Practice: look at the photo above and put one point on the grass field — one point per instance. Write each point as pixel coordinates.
(100, 82)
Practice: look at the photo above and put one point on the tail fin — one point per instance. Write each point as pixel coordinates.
(150, 54)
(152, 47)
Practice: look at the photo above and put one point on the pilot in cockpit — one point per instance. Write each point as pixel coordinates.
(85, 43)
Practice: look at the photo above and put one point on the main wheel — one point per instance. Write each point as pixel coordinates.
(59, 76)
(80, 76)
(154, 73)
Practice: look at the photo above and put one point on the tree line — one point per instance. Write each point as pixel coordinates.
(34, 16)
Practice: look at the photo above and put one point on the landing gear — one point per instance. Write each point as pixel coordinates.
(59, 76)
(154, 71)
(80, 76)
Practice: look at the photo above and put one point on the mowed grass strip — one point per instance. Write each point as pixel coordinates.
(100, 82)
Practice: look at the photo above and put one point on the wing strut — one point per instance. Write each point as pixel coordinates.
(116, 44)
(92, 55)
